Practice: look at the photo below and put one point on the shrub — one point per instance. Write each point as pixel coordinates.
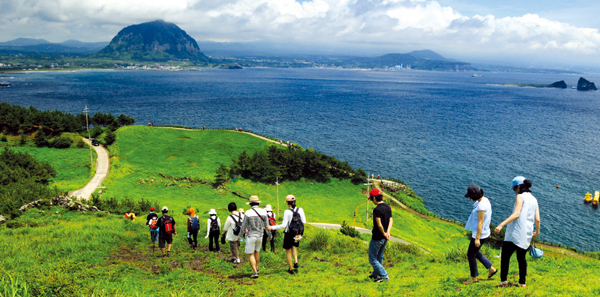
(319, 241)
(40, 139)
(23, 140)
(456, 254)
(349, 230)
(3, 138)
(110, 137)
(60, 143)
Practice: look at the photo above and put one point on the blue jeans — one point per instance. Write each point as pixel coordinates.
(154, 235)
(473, 254)
(376, 249)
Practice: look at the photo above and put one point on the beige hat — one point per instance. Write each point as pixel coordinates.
(268, 208)
(290, 197)
(241, 210)
(212, 212)
(253, 199)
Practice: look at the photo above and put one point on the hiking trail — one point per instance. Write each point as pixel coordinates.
(102, 169)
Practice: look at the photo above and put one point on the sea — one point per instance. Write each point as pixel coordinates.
(438, 132)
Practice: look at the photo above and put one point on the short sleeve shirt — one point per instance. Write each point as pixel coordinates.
(485, 206)
(384, 212)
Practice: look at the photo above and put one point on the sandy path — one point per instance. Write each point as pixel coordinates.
(102, 169)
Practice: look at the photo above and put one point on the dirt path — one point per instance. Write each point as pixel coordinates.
(102, 169)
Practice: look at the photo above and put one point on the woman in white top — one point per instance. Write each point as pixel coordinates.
(272, 222)
(519, 230)
(213, 229)
(234, 240)
(479, 224)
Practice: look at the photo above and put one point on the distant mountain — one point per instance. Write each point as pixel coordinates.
(24, 42)
(400, 61)
(81, 44)
(427, 54)
(153, 41)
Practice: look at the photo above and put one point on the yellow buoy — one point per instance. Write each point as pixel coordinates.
(596, 198)
(588, 198)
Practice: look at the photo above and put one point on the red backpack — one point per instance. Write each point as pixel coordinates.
(272, 221)
(168, 221)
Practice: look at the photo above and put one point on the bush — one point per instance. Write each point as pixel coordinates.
(3, 138)
(40, 139)
(319, 241)
(349, 230)
(456, 254)
(23, 140)
(60, 143)
(110, 137)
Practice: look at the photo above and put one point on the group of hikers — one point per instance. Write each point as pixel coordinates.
(519, 233)
(257, 226)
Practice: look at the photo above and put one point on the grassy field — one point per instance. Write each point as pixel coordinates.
(72, 165)
(74, 254)
(116, 259)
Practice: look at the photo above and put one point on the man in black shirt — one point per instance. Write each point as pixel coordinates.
(166, 226)
(382, 225)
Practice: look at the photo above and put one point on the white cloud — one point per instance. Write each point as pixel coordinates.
(390, 24)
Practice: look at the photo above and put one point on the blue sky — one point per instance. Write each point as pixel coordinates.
(551, 33)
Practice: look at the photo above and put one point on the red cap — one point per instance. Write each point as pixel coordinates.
(374, 192)
(151, 208)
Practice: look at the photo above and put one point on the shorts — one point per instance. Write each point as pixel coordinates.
(253, 244)
(164, 237)
(288, 241)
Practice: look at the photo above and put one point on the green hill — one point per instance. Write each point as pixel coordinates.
(75, 254)
(153, 41)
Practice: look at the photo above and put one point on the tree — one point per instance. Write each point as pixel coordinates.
(110, 137)
(40, 139)
(23, 140)
(124, 120)
(222, 174)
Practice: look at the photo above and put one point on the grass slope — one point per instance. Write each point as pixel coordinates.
(116, 259)
(72, 165)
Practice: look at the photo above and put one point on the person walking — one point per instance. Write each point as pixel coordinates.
(193, 226)
(152, 222)
(293, 222)
(272, 222)
(519, 230)
(213, 229)
(253, 227)
(166, 225)
(479, 224)
(233, 224)
(382, 226)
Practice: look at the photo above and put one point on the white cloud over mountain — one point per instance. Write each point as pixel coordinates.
(388, 24)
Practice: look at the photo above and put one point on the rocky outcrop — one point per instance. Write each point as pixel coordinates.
(559, 84)
(585, 85)
(63, 201)
(153, 41)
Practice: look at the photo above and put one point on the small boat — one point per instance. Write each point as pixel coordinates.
(4, 84)
(596, 198)
(588, 198)
(477, 75)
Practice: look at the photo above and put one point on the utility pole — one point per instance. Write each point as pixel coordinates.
(277, 184)
(86, 110)
(368, 184)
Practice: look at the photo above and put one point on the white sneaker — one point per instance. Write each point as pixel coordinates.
(237, 261)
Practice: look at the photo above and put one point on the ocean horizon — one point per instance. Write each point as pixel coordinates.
(437, 131)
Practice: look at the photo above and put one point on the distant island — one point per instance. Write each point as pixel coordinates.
(558, 85)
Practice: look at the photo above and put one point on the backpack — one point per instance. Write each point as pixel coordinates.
(153, 223)
(272, 221)
(168, 221)
(214, 226)
(296, 227)
(238, 224)
(195, 224)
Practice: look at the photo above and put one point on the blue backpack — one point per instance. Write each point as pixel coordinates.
(195, 224)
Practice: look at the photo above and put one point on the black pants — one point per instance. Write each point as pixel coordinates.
(213, 236)
(508, 248)
(193, 239)
(266, 238)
